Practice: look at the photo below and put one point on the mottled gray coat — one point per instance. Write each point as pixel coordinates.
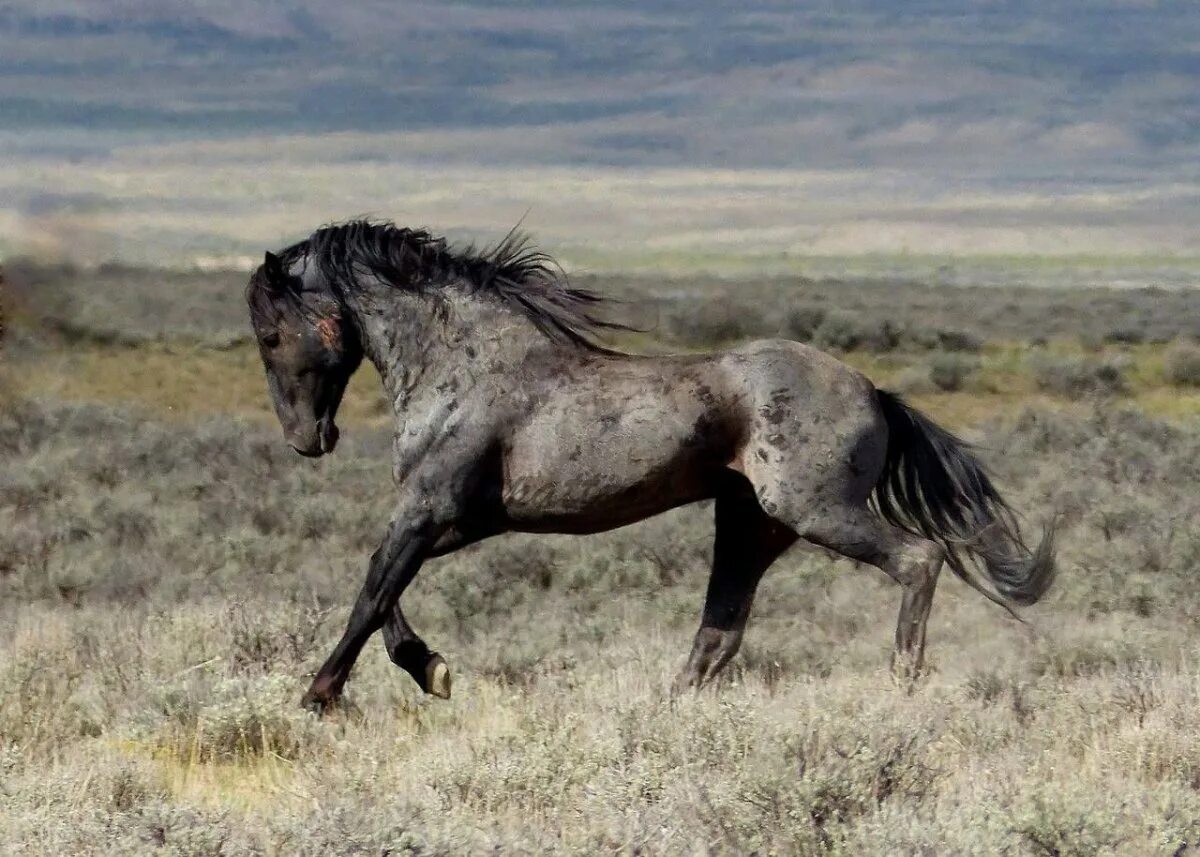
(510, 418)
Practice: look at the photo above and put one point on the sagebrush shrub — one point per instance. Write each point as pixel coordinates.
(950, 372)
(844, 332)
(959, 340)
(1075, 377)
(803, 322)
(234, 718)
(1182, 363)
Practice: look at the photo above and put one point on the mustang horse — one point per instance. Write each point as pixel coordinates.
(511, 415)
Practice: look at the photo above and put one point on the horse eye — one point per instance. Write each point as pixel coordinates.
(271, 340)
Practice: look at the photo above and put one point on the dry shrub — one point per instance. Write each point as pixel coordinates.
(951, 372)
(1076, 377)
(913, 380)
(1182, 363)
(803, 322)
(233, 719)
(840, 331)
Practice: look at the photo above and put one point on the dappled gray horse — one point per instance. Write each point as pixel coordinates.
(511, 416)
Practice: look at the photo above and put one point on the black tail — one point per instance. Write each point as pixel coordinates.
(933, 486)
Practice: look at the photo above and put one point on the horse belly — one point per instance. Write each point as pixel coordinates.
(605, 480)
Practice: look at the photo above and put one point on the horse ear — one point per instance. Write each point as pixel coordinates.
(273, 266)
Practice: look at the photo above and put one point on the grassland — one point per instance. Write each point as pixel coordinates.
(170, 573)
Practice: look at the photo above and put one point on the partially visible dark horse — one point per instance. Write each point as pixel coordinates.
(511, 416)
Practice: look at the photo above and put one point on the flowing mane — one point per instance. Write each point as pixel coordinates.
(513, 271)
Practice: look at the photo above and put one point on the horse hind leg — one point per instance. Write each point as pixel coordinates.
(826, 504)
(910, 560)
(746, 542)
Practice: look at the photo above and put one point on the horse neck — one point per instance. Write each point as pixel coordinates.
(417, 340)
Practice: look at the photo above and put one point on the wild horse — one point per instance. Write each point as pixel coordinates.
(512, 416)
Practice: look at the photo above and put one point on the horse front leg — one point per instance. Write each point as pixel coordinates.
(404, 646)
(409, 652)
(392, 568)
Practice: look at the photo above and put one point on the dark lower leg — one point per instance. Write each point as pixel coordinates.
(406, 649)
(409, 652)
(392, 568)
(712, 649)
(747, 542)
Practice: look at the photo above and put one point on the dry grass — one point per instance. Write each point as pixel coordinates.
(1007, 751)
(179, 381)
(188, 382)
(170, 575)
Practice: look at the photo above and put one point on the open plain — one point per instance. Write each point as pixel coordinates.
(171, 573)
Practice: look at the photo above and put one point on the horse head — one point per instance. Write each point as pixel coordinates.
(308, 349)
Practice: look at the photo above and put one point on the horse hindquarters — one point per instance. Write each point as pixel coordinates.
(814, 458)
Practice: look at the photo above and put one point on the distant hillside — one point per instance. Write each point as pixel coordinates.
(666, 136)
(1012, 88)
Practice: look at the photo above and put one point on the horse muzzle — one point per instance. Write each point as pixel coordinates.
(316, 443)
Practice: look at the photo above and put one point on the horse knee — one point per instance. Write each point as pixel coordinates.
(909, 560)
(921, 564)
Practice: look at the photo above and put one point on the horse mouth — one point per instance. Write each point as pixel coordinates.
(324, 443)
(308, 451)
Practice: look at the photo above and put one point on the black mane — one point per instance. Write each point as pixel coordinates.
(514, 271)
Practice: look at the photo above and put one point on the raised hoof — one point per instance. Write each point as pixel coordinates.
(318, 705)
(437, 677)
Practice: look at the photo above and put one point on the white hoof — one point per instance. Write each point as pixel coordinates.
(437, 677)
